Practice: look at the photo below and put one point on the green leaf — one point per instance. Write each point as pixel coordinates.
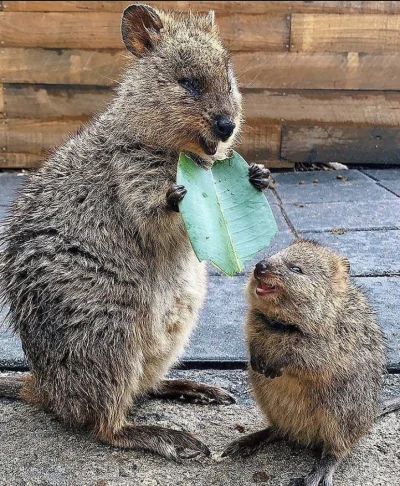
(227, 219)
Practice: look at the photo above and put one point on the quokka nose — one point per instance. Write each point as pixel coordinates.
(223, 127)
(261, 269)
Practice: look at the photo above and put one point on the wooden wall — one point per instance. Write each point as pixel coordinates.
(321, 79)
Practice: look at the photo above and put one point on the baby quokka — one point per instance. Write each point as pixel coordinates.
(316, 356)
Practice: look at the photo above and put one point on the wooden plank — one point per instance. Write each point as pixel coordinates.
(375, 108)
(255, 70)
(49, 101)
(62, 66)
(260, 141)
(202, 6)
(29, 161)
(348, 145)
(34, 136)
(318, 70)
(345, 33)
(1, 102)
(102, 29)
(20, 161)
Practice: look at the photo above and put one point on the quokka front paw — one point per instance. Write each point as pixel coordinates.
(260, 176)
(174, 195)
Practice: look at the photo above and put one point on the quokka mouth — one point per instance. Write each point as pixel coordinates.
(264, 288)
(209, 147)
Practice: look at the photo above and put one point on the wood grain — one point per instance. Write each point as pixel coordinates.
(202, 6)
(318, 70)
(20, 161)
(62, 66)
(348, 145)
(102, 30)
(375, 108)
(43, 101)
(345, 33)
(315, 70)
(35, 136)
(259, 143)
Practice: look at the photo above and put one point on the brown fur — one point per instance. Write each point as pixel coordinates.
(98, 272)
(317, 353)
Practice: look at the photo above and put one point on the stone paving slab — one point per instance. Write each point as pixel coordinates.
(393, 186)
(334, 192)
(384, 295)
(219, 334)
(11, 354)
(9, 185)
(370, 252)
(347, 215)
(3, 213)
(37, 450)
(323, 177)
(383, 174)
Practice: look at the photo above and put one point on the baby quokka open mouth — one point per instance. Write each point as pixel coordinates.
(266, 288)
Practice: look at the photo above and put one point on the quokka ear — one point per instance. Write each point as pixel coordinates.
(140, 29)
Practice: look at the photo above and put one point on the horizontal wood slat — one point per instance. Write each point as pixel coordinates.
(202, 6)
(345, 33)
(348, 145)
(318, 70)
(38, 101)
(328, 107)
(259, 143)
(19, 161)
(62, 66)
(35, 136)
(102, 30)
(255, 70)
(261, 106)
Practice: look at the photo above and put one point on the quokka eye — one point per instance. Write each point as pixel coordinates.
(295, 269)
(191, 85)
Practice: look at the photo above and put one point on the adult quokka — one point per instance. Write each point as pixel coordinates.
(101, 281)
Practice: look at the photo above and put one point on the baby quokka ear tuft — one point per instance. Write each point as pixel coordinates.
(140, 28)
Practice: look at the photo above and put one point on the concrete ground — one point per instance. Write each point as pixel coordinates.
(355, 212)
(37, 450)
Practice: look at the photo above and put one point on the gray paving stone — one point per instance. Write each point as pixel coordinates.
(11, 354)
(370, 252)
(9, 185)
(324, 177)
(347, 215)
(219, 334)
(384, 295)
(393, 186)
(3, 213)
(334, 192)
(383, 174)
